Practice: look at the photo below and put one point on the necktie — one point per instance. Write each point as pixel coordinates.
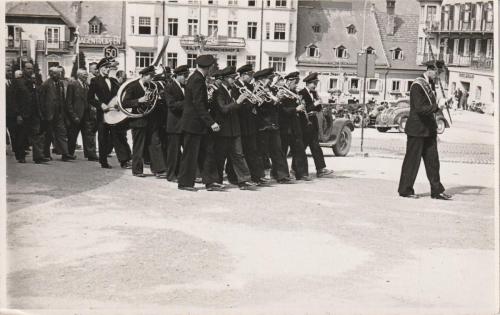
(108, 82)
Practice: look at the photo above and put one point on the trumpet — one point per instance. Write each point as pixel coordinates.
(289, 94)
(263, 94)
(251, 97)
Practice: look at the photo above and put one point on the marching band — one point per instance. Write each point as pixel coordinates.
(189, 126)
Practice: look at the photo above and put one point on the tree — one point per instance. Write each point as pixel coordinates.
(82, 64)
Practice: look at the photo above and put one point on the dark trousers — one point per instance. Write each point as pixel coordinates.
(140, 140)
(88, 137)
(298, 151)
(252, 157)
(118, 136)
(56, 135)
(154, 149)
(174, 143)
(270, 145)
(37, 132)
(311, 140)
(198, 152)
(418, 148)
(18, 136)
(230, 148)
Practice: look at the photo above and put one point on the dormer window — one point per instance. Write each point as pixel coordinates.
(351, 29)
(370, 50)
(312, 51)
(340, 52)
(397, 53)
(316, 28)
(95, 25)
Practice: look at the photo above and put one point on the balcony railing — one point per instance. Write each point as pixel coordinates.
(461, 26)
(52, 46)
(14, 44)
(217, 43)
(480, 62)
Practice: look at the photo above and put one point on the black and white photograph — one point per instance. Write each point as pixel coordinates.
(298, 157)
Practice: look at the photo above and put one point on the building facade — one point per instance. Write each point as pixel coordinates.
(234, 31)
(461, 34)
(332, 34)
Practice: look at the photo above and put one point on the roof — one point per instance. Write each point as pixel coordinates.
(333, 18)
(36, 8)
(111, 23)
(405, 37)
(403, 7)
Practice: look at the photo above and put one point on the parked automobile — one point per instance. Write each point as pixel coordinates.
(397, 115)
(334, 132)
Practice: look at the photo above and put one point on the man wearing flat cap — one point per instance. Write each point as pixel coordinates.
(247, 115)
(310, 127)
(134, 98)
(174, 97)
(269, 130)
(228, 139)
(102, 90)
(196, 123)
(291, 112)
(421, 131)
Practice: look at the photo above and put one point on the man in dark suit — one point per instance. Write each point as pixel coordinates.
(52, 100)
(311, 128)
(135, 96)
(195, 124)
(174, 97)
(102, 90)
(268, 126)
(16, 123)
(291, 130)
(228, 139)
(247, 114)
(79, 116)
(421, 131)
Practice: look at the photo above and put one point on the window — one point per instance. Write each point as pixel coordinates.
(422, 12)
(312, 51)
(52, 35)
(477, 48)
(420, 46)
(210, 1)
(268, 30)
(252, 30)
(354, 84)
(132, 25)
(172, 60)
(231, 60)
(251, 60)
(144, 25)
(279, 31)
(489, 48)
(370, 50)
(278, 63)
(395, 86)
(192, 27)
(173, 27)
(268, 3)
(191, 60)
(193, 1)
(95, 28)
(251, 3)
(143, 59)
(467, 13)
(316, 28)
(232, 27)
(334, 83)
(466, 47)
(340, 52)
(281, 3)
(232, 2)
(408, 85)
(397, 54)
(431, 13)
(489, 13)
(351, 29)
(372, 84)
(157, 25)
(212, 27)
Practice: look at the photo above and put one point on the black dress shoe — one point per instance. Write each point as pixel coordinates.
(126, 165)
(48, 158)
(22, 161)
(412, 196)
(441, 196)
(66, 158)
(285, 180)
(105, 166)
(304, 178)
(139, 175)
(42, 161)
(187, 188)
(71, 157)
(161, 175)
(246, 185)
(324, 172)
(215, 187)
(93, 159)
(173, 180)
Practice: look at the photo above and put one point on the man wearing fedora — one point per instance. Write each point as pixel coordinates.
(196, 123)
(421, 131)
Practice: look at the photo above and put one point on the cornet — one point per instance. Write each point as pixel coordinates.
(251, 97)
(262, 94)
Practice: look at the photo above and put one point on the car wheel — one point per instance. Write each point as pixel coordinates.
(383, 129)
(356, 120)
(402, 124)
(343, 144)
(441, 126)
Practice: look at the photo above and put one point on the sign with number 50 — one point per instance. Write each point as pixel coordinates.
(110, 51)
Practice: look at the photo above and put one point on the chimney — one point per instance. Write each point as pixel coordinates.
(391, 7)
(77, 11)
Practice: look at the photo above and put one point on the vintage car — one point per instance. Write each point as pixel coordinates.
(334, 132)
(397, 115)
